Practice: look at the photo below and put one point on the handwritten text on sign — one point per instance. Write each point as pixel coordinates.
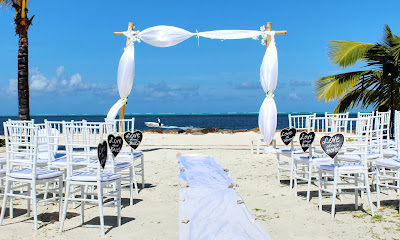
(287, 135)
(102, 153)
(332, 145)
(306, 139)
(133, 138)
(115, 144)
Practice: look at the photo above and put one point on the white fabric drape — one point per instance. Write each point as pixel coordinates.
(126, 74)
(126, 71)
(230, 34)
(267, 117)
(113, 112)
(166, 36)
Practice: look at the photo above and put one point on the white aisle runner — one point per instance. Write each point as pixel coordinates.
(209, 206)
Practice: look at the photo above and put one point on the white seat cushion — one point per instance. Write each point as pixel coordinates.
(26, 173)
(393, 162)
(3, 160)
(343, 167)
(129, 153)
(38, 161)
(92, 176)
(389, 152)
(63, 162)
(117, 164)
(2, 172)
(357, 157)
(288, 150)
(306, 157)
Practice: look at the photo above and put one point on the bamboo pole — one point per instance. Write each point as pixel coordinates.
(281, 32)
(268, 29)
(131, 26)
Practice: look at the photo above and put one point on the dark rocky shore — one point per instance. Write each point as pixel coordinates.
(201, 131)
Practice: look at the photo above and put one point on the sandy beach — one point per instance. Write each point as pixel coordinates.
(155, 212)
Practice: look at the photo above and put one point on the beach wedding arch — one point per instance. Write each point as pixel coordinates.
(167, 36)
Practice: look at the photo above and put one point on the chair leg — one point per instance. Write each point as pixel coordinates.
(291, 173)
(319, 190)
(33, 196)
(142, 160)
(3, 208)
(278, 167)
(83, 205)
(119, 202)
(131, 170)
(368, 193)
(12, 200)
(310, 172)
(60, 188)
(46, 193)
(356, 192)
(378, 188)
(295, 178)
(100, 201)
(64, 213)
(334, 195)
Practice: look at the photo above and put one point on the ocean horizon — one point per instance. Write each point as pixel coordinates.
(184, 121)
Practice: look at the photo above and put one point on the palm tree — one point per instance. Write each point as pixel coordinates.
(22, 24)
(367, 87)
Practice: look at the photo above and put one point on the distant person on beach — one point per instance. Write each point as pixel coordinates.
(159, 122)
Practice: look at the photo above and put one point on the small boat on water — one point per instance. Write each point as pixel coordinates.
(153, 124)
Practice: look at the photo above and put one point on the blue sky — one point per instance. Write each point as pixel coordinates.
(73, 55)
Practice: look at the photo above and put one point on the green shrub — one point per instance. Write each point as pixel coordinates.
(2, 143)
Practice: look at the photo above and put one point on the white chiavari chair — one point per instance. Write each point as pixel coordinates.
(25, 172)
(348, 175)
(93, 180)
(388, 169)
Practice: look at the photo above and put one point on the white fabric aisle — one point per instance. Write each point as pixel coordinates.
(211, 204)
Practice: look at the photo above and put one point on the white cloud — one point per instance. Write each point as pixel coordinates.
(294, 96)
(12, 87)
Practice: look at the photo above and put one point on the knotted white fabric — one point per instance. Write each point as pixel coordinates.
(269, 77)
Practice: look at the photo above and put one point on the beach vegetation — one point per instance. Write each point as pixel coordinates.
(377, 218)
(22, 23)
(364, 88)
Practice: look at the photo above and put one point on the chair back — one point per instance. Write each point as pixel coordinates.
(120, 126)
(81, 142)
(21, 146)
(301, 122)
(386, 127)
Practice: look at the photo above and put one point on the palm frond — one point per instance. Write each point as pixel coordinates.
(333, 87)
(347, 53)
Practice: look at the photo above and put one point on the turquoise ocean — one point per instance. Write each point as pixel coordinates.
(176, 121)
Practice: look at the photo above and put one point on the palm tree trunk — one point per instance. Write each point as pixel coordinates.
(23, 76)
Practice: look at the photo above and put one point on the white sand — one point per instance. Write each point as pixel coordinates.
(155, 212)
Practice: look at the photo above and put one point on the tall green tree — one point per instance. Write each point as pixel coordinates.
(22, 23)
(367, 87)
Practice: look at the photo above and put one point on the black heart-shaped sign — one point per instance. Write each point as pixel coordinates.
(133, 139)
(306, 139)
(332, 145)
(287, 135)
(115, 144)
(102, 153)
